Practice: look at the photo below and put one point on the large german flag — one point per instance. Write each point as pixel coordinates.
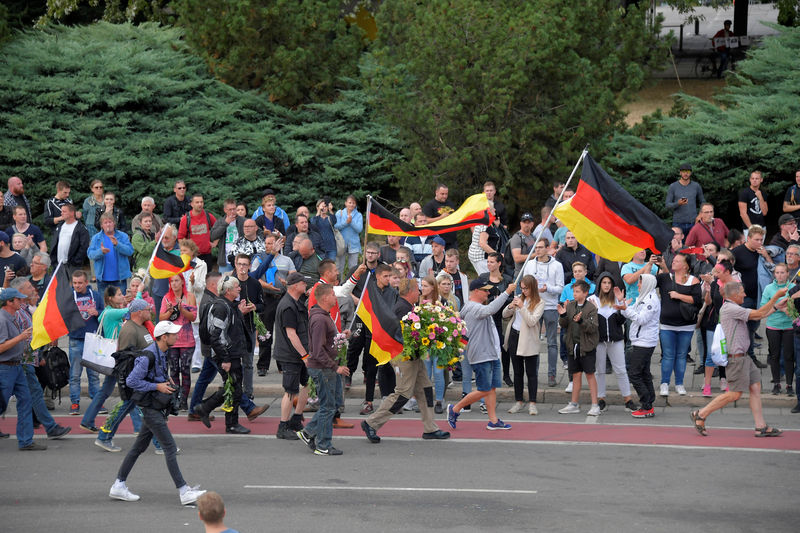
(473, 212)
(166, 264)
(57, 313)
(608, 220)
(387, 337)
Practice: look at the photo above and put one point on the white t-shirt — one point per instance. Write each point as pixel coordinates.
(64, 240)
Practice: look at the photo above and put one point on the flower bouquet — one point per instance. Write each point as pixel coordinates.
(433, 330)
(340, 344)
(227, 394)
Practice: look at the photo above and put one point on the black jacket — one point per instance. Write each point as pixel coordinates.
(566, 256)
(670, 309)
(251, 290)
(230, 338)
(78, 246)
(313, 234)
(174, 209)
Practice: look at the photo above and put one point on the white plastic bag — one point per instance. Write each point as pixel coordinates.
(719, 351)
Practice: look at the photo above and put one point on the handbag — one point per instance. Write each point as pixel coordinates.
(689, 312)
(719, 351)
(98, 350)
(341, 246)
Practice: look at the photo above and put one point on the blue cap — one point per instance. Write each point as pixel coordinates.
(10, 294)
(438, 240)
(4, 237)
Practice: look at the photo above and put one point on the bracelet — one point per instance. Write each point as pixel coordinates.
(304, 357)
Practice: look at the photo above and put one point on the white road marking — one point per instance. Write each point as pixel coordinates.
(391, 489)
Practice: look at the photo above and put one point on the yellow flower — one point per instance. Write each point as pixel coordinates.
(439, 344)
(425, 341)
(227, 409)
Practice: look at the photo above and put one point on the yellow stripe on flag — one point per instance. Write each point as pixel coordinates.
(592, 236)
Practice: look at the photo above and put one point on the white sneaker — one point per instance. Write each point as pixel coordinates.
(532, 410)
(571, 408)
(191, 495)
(680, 389)
(516, 408)
(160, 451)
(723, 384)
(594, 411)
(120, 491)
(410, 405)
(664, 389)
(569, 387)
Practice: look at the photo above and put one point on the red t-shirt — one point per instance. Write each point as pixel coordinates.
(200, 230)
(335, 314)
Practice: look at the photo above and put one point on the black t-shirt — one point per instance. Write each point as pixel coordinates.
(434, 209)
(748, 196)
(747, 266)
(778, 240)
(494, 292)
(14, 262)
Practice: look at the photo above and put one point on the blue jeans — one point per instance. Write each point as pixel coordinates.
(97, 402)
(339, 391)
(37, 399)
(75, 357)
(207, 374)
(674, 349)
(466, 376)
(109, 429)
(321, 426)
(437, 376)
(13, 382)
(330, 254)
(797, 367)
(550, 319)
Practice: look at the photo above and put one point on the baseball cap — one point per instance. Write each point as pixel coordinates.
(295, 277)
(4, 237)
(786, 218)
(164, 327)
(479, 284)
(10, 294)
(137, 304)
(437, 240)
(686, 166)
(526, 217)
(268, 192)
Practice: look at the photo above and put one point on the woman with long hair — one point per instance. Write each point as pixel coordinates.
(444, 282)
(91, 211)
(523, 343)
(179, 306)
(430, 295)
(612, 341)
(429, 291)
(722, 274)
(109, 206)
(780, 333)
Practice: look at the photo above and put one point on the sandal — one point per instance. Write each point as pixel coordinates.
(701, 428)
(767, 431)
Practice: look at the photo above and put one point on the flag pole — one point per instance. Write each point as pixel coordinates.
(355, 313)
(550, 215)
(153, 255)
(366, 228)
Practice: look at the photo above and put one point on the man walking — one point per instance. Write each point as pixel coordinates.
(412, 381)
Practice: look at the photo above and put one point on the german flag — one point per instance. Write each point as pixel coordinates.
(608, 220)
(473, 212)
(57, 313)
(165, 264)
(387, 337)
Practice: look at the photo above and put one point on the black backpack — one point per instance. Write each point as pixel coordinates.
(124, 360)
(55, 372)
(508, 257)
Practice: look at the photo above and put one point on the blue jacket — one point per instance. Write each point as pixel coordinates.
(123, 250)
(280, 213)
(325, 228)
(350, 231)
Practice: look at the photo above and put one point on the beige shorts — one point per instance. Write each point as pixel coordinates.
(741, 372)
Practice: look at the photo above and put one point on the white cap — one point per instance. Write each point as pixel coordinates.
(165, 326)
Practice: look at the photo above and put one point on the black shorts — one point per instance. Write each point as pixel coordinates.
(295, 375)
(584, 363)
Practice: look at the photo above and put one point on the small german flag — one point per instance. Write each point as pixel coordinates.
(57, 313)
(166, 264)
(473, 212)
(606, 219)
(387, 336)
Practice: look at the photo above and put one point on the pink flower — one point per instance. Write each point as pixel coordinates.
(453, 319)
(432, 336)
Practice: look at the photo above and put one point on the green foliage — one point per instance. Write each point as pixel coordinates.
(754, 124)
(130, 106)
(5, 29)
(788, 12)
(108, 10)
(505, 91)
(294, 51)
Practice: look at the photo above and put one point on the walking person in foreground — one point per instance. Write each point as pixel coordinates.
(743, 375)
(146, 380)
(483, 352)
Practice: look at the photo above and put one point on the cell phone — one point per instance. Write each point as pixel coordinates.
(684, 198)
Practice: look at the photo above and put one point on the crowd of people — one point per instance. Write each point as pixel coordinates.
(288, 289)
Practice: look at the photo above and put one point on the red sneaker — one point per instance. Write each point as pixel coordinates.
(644, 413)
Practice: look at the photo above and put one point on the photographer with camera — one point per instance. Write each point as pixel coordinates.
(153, 392)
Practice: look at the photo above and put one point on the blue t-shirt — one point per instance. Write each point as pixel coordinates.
(110, 266)
(632, 289)
(566, 292)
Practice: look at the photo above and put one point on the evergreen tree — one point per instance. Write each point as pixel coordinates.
(754, 124)
(131, 106)
(505, 91)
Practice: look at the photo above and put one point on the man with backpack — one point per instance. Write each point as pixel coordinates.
(149, 378)
(520, 244)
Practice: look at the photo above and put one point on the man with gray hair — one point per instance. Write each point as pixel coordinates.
(148, 205)
(39, 276)
(742, 373)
